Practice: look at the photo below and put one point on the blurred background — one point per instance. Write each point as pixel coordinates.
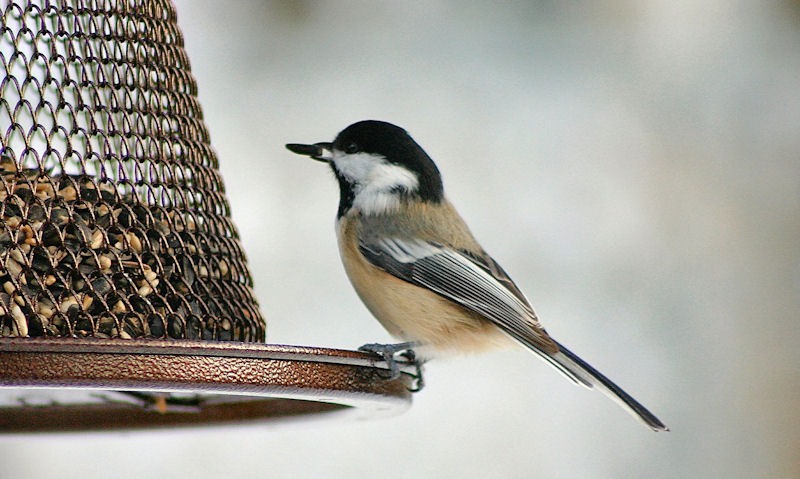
(634, 165)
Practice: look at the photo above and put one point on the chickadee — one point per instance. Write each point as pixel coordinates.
(418, 269)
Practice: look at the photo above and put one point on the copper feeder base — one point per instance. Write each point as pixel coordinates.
(98, 384)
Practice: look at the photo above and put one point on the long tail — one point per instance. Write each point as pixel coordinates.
(582, 373)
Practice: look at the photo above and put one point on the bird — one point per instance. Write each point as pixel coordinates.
(418, 269)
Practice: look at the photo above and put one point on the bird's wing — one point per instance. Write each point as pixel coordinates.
(488, 264)
(475, 282)
(479, 284)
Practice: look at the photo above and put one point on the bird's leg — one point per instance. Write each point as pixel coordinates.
(411, 356)
(388, 351)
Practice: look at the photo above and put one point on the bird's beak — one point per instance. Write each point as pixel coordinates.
(315, 151)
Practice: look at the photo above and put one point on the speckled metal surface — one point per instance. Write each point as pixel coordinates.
(234, 383)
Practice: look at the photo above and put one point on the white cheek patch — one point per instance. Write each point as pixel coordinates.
(356, 167)
(377, 184)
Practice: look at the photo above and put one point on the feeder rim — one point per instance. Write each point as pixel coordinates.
(248, 382)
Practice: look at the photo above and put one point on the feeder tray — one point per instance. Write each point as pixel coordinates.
(125, 296)
(102, 384)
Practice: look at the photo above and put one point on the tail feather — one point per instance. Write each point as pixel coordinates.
(581, 372)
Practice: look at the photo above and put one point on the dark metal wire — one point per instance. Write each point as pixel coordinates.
(115, 222)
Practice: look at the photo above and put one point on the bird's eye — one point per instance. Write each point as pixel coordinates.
(351, 148)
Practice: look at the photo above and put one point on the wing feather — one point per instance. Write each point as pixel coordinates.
(461, 278)
(479, 284)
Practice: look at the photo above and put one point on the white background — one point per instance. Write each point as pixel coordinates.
(632, 164)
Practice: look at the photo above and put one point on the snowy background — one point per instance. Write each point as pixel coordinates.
(634, 165)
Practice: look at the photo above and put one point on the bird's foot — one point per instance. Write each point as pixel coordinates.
(388, 352)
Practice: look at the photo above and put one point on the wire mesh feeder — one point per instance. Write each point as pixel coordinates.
(116, 232)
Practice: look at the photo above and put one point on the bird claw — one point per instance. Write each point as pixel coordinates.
(387, 352)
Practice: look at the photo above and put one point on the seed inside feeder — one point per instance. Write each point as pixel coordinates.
(78, 258)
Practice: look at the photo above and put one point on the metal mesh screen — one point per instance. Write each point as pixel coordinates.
(114, 218)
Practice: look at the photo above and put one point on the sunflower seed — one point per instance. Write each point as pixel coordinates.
(97, 240)
(20, 323)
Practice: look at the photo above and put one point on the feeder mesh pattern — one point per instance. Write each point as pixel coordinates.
(114, 218)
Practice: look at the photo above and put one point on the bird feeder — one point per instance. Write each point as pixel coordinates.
(125, 296)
